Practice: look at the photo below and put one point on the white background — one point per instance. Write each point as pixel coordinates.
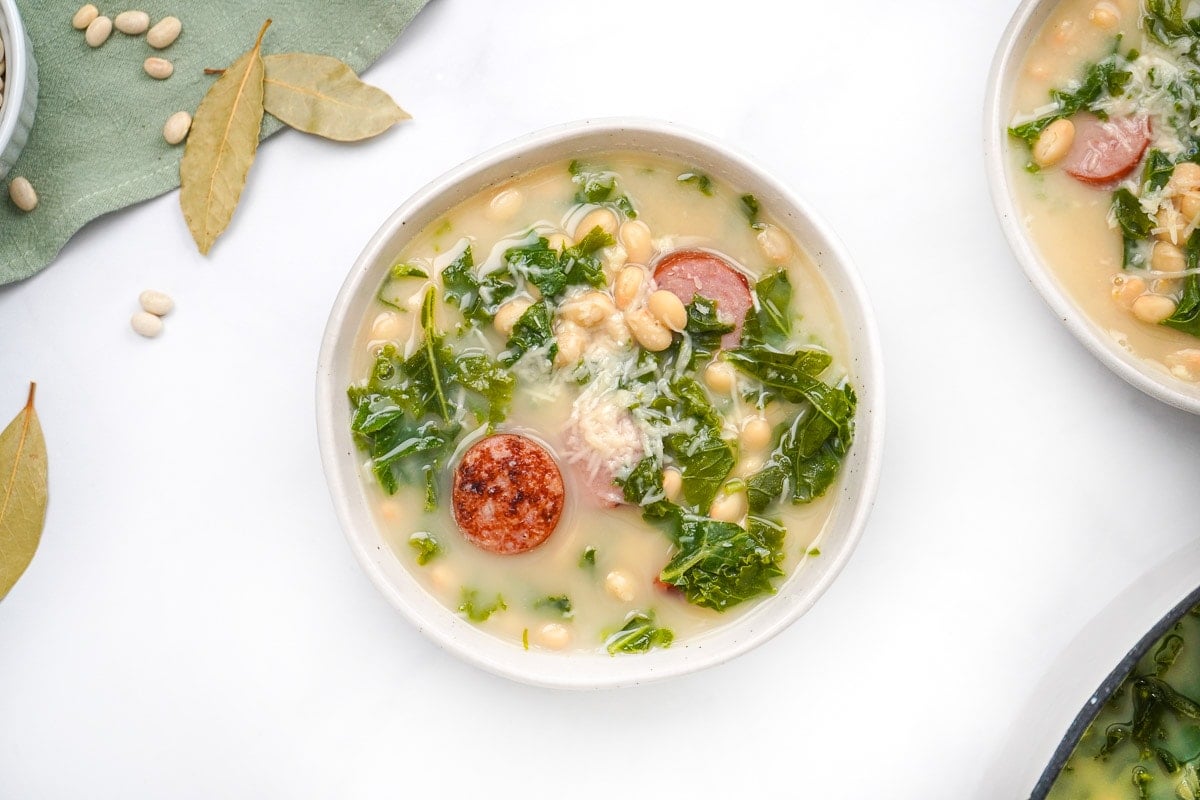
(194, 625)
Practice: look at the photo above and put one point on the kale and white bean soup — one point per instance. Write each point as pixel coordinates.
(1107, 129)
(604, 406)
(1145, 742)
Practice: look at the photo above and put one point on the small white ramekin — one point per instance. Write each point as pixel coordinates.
(1006, 67)
(857, 484)
(20, 86)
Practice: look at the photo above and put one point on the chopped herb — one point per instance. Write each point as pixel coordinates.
(477, 612)
(1135, 224)
(532, 330)
(704, 328)
(406, 270)
(588, 559)
(699, 180)
(525, 638)
(770, 320)
(426, 545)
(1158, 169)
(477, 296)
(599, 186)
(553, 272)
(559, 605)
(443, 228)
(814, 552)
(750, 208)
(640, 635)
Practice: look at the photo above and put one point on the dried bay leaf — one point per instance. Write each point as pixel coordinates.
(221, 147)
(321, 95)
(22, 493)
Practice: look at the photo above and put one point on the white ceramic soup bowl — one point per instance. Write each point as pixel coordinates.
(856, 487)
(20, 86)
(1006, 67)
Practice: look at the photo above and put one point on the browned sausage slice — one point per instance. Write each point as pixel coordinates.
(508, 494)
(687, 273)
(1105, 152)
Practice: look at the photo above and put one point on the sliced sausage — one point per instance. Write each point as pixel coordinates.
(1106, 151)
(687, 273)
(508, 494)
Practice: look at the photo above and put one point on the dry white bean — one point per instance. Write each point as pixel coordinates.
(158, 68)
(620, 585)
(1125, 290)
(164, 32)
(157, 303)
(508, 314)
(22, 193)
(635, 238)
(505, 205)
(1153, 308)
(84, 16)
(177, 126)
(1166, 257)
(603, 218)
(554, 635)
(1054, 143)
(729, 507)
(133, 23)
(719, 377)
(756, 433)
(668, 309)
(672, 483)
(774, 244)
(628, 286)
(98, 31)
(146, 324)
(588, 309)
(650, 333)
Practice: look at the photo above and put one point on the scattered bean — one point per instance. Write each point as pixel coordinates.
(164, 33)
(756, 433)
(729, 507)
(590, 308)
(774, 244)
(22, 193)
(508, 314)
(146, 324)
(1127, 289)
(554, 635)
(650, 333)
(1104, 15)
(635, 238)
(1153, 308)
(1166, 257)
(672, 483)
(602, 217)
(177, 126)
(1189, 207)
(1184, 178)
(719, 377)
(158, 68)
(505, 205)
(98, 31)
(84, 16)
(628, 286)
(570, 340)
(133, 23)
(668, 309)
(1054, 143)
(157, 303)
(620, 585)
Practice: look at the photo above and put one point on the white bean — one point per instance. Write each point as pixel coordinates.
(672, 483)
(603, 218)
(729, 507)
(164, 33)
(177, 126)
(157, 303)
(774, 244)
(1166, 257)
(1153, 308)
(98, 31)
(22, 193)
(570, 340)
(84, 16)
(668, 309)
(649, 332)
(587, 310)
(635, 238)
(505, 205)
(508, 314)
(1104, 15)
(386, 326)
(146, 324)
(158, 68)
(559, 241)
(1125, 290)
(720, 377)
(628, 286)
(1184, 178)
(1054, 143)
(133, 23)
(756, 433)
(620, 585)
(554, 635)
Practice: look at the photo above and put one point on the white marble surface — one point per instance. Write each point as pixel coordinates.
(194, 625)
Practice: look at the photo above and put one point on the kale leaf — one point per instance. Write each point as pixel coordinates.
(477, 611)
(588, 559)
(704, 458)
(770, 321)
(704, 328)
(751, 209)
(1135, 224)
(1187, 314)
(559, 605)
(599, 187)
(639, 635)
(698, 179)
(426, 545)
(1106, 78)
(532, 329)
(477, 296)
(551, 271)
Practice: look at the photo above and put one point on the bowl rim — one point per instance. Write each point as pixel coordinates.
(869, 424)
(1131, 368)
(16, 57)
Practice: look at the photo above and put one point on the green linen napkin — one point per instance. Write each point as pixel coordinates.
(97, 144)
